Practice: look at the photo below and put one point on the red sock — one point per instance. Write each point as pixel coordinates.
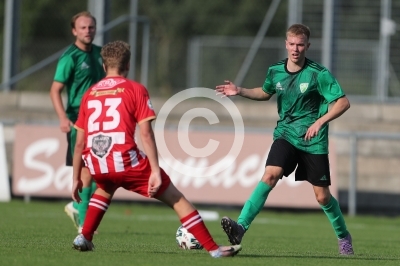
(98, 206)
(195, 225)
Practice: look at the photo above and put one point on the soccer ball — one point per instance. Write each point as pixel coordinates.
(186, 240)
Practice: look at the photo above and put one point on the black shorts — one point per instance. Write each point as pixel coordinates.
(68, 158)
(313, 168)
(71, 140)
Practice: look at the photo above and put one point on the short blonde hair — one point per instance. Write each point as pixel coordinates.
(298, 29)
(116, 55)
(82, 14)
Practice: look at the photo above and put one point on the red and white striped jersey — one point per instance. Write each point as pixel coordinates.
(109, 113)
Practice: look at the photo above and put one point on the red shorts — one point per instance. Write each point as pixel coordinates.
(135, 179)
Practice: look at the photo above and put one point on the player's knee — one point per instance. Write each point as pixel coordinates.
(322, 198)
(270, 179)
(171, 195)
(176, 196)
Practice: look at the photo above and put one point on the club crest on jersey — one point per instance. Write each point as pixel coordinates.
(100, 145)
(303, 87)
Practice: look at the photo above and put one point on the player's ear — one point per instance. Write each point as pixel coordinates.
(104, 67)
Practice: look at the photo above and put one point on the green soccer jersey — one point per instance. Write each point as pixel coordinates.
(302, 98)
(78, 70)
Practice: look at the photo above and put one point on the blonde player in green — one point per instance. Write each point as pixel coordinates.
(304, 91)
(78, 68)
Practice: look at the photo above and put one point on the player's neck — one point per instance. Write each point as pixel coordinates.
(110, 74)
(114, 73)
(83, 46)
(295, 66)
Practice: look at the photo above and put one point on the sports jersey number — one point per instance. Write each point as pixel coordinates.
(112, 104)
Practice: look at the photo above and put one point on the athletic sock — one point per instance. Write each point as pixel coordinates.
(254, 204)
(195, 225)
(83, 205)
(335, 216)
(75, 205)
(93, 187)
(98, 206)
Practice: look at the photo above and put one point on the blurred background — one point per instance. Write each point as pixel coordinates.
(179, 44)
(194, 43)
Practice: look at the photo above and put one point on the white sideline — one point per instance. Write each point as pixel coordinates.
(209, 215)
(5, 194)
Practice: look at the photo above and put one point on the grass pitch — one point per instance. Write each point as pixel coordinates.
(40, 233)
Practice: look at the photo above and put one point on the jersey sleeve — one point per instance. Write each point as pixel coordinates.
(64, 69)
(268, 86)
(80, 122)
(329, 87)
(144, 110)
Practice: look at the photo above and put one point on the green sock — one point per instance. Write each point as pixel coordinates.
(93, 187)
(254, 204)
(335, 216)
(85, 195)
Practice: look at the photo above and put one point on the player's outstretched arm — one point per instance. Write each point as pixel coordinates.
(227, 89)
(230, 89)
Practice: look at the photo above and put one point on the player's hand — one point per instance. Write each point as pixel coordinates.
(227, 89)
(65, 125)
(76, 188)
(155, 182)
(313, 130)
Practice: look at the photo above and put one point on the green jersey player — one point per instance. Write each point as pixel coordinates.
(302, 99)
(304, 91)
(78, 68)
